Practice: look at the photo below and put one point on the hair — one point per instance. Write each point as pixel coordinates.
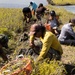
(31, 3)
(72, 21)
(40, 28)
(52, 13)
(40, 5)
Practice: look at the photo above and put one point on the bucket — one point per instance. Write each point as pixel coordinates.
(48, 27)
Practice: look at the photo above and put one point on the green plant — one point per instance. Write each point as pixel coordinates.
(49, 68)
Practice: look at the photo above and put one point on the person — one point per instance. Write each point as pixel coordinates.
(3, 43)
(40, 11)
(67, 35)
(51, 47)
(33, 7)
(27, 14)
(53, 23)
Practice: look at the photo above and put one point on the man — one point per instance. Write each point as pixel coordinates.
(3, 43)
(67, 35)
(40, 11)
(51, 47)
(27, 14)
(33, 6)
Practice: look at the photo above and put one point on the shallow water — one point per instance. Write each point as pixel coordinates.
(19, 3)
(70, 8)
(23, 3)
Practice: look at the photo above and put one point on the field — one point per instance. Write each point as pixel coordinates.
(11, 24)
(62, 2)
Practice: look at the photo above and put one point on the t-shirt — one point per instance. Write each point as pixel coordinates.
(34, 6)
(66, 32)
(53, 23)
(49, 41)
(40, 10)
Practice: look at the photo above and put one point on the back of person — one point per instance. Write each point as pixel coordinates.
(27, 13)
(33, 7)
(67, 35)
(26, 10)
(40, 10)
(64, 32)
(53, 41)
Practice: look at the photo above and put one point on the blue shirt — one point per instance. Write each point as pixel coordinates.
(34, 6)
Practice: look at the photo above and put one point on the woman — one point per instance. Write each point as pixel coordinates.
(52, 23)
(51, 47)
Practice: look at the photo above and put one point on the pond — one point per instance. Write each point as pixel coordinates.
(70, 8)
(23, 3)
(19, 3)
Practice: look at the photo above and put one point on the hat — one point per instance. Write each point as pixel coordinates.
(4, 40)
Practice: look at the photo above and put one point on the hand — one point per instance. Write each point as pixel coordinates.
(32, 45)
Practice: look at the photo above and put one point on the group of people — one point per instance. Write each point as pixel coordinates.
(48, 34)
(52, 38)
(51, 44)
(33, 10)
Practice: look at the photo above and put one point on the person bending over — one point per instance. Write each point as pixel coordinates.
(40, 11)
(51, 47)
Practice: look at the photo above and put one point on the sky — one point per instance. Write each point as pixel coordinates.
(22, 1)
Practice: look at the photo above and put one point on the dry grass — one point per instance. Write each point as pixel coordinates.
(12, 20)
(68, 56)
(62, 2)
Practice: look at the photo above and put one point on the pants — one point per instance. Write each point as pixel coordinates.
(68, 42)
(3, 55)
(52, 54)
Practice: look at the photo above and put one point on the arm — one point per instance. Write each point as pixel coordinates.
(31, 41)
(46, 46)
(71, 32)
(55, 32)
